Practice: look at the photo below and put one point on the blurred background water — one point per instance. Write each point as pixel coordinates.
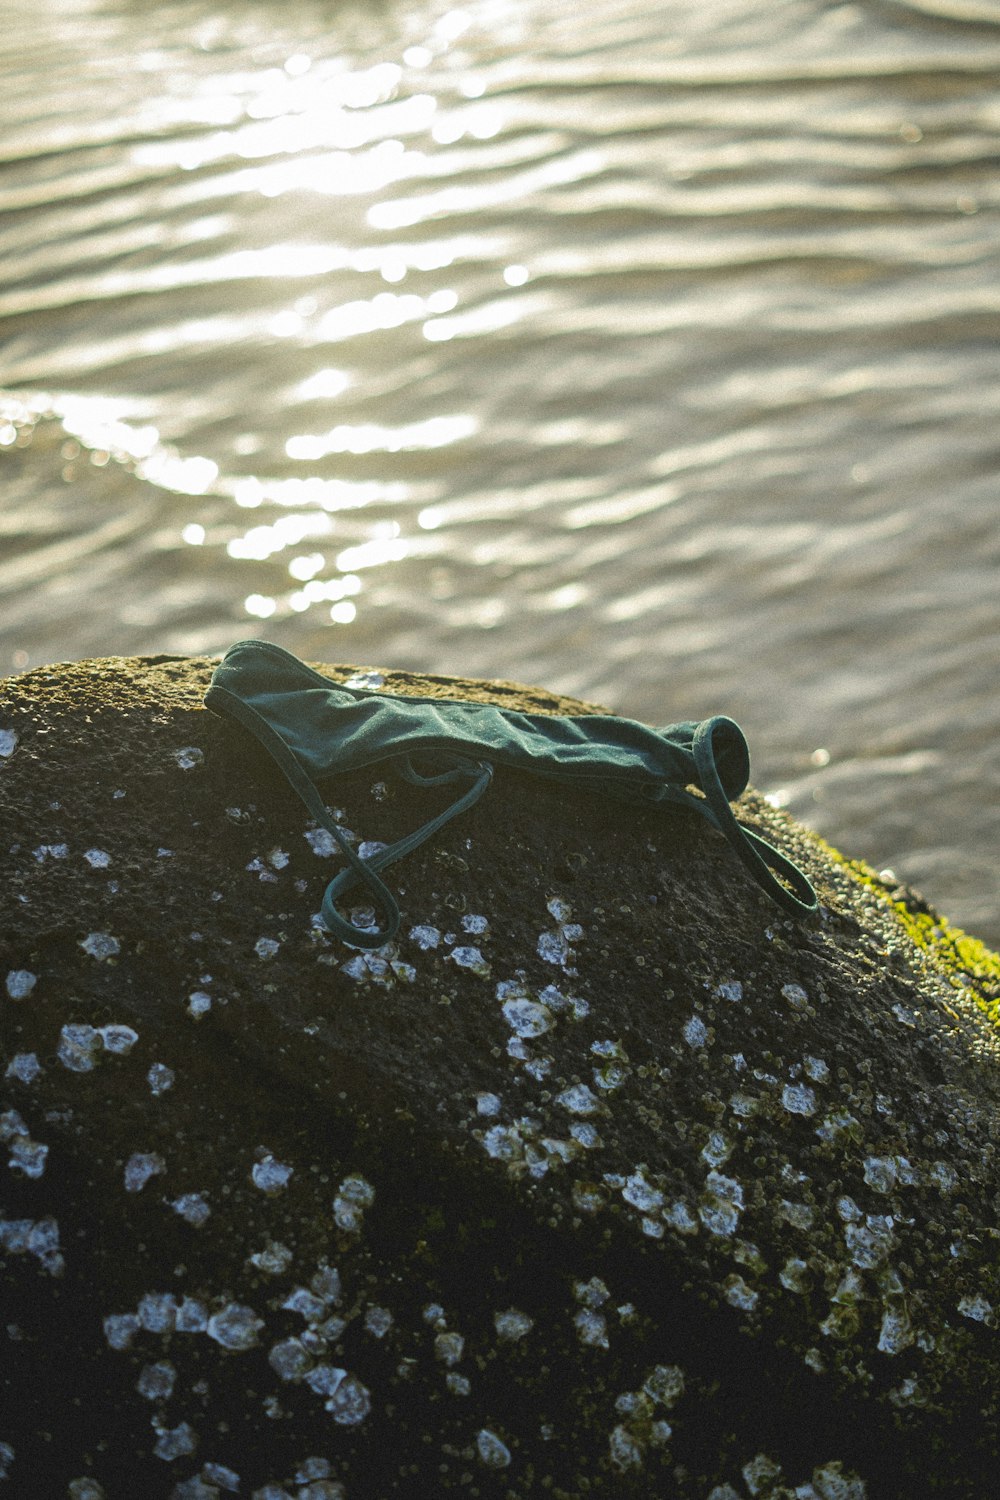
(649, 352)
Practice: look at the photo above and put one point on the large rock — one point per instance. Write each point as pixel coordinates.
(606, 1179)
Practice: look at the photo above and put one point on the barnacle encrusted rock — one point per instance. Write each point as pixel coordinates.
(605, 1179)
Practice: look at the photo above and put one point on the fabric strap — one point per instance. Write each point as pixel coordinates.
(314, 727)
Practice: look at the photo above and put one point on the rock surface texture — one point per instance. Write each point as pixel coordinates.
(605, 1179)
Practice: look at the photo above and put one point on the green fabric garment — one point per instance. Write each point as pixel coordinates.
(314, 728)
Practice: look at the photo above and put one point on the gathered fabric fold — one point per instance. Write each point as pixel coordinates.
(315, 728)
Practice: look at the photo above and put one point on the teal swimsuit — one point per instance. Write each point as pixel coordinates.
(315, 728)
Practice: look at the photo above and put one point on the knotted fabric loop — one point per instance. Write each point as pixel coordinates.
(314, 727)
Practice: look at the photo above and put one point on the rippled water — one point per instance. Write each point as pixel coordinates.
(649, 352)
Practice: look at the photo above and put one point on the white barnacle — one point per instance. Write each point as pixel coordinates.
(192, 1316)
(8, 743)
(306, 1303)
(350, 1403)
(664, 1384)
(188, 757)
(795, 995)
(680, 1217)
(356, 1189)
(695, 1032)
(978, 1308)
(578, 1099)
(880, 1173)
(157, 1312)
(160, 1078)
(140, 1167)
(591, 1328)
(192, 1208)
(869, 1244)
(488, 1104)
(730, 989)
(831, 1482)
(273, 1260)
(270, 1175)
(235, 1326)
(14, 1234)
(199, 1004)
(794, 1276)
(290, 1359)
(28, 1156)
(313, 1468)
(471, 959)
(20, 983)
(226, 1479)
(896, 1332)
(527, 1018)
(86, 1488)
(512, 1325)
(78, 1047)
(716, 1149)
(719, 1208)
(816, 1069)
(51, 851)
(11, 1125)
(625, 1450)
(365, 966)
(553, 948)
(448, 1347)
(588, 1197)
(354, 1195)
(43, 1242)
(943, 1176)
(641, 1194)
(425, 937)
(837, 1124)
(378, 1321)
(117, 1038)
(326, 1283)
(175, 1442)
(799, 1215)
(120, 1329)
(97, 859)
(611, 1075)
(492, 1450)
(322, 842)
(738, 1294)
(475, 926)
(798, 1099)
(101, 945)
(503, 1143)
(266, 947)
(156, 1381)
